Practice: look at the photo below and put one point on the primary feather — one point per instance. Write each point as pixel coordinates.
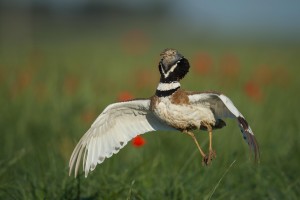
(223, 107)
(114, 127)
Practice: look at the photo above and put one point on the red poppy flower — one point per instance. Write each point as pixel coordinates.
(263, 75)
(124, 96)
(71, 84)
(23, 80)
(230, 66)
(88, 116)
(135, 42)
(145, 78)
(203, 63)
(253, 90)
(138, 141)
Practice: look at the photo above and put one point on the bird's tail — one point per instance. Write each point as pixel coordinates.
(249, 137)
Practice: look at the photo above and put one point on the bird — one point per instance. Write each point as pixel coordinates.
(171, 108)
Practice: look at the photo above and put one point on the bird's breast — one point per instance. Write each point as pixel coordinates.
(181, 116)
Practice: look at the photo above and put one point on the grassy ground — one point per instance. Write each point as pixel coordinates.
(52, 89)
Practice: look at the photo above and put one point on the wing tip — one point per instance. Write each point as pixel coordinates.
(250, 138)
(254, 146)
(75, 159)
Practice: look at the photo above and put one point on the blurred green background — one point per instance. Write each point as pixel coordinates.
(62, 62)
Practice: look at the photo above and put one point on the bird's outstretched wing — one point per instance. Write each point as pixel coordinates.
(114, 127)
(222, 107)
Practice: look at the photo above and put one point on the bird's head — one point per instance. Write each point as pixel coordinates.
(172, 66)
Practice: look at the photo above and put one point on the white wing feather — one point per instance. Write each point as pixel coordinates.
(223, 107)
(114, 127)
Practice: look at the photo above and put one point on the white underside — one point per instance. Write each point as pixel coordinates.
(183, 116)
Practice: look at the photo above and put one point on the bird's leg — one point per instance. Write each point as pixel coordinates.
(212, 153)
(195, 139)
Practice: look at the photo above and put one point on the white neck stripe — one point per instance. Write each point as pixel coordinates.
(168, 86)
(171, 70)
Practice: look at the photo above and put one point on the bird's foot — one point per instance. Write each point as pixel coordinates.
(208, 158)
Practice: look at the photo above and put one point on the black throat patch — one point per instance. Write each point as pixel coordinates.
(177, 74)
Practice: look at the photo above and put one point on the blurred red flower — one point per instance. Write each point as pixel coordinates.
(135, 42)
(253, 90)
(263, 75)
(230, 66)
(23, 80)
(202, 63)
(138, 141)
(71, 84)
(124, 96)
(145, 78)
(88, 116)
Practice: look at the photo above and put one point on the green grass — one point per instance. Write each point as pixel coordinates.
(48, 88)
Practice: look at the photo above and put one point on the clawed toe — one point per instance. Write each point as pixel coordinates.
(212, 154)
(208, 158)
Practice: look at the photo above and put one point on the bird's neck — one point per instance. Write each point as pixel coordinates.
(167, 89)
